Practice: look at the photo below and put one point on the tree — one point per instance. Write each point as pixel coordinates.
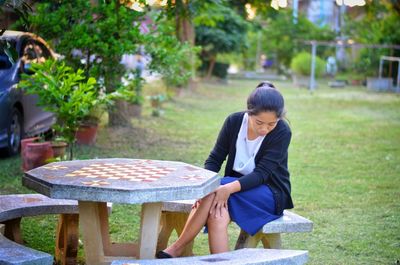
(98, 35)
(370, 30)
(228, 35)
(187, 14)
(20, 7)
(283, 38)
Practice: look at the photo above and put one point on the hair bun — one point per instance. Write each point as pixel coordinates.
(266, 84)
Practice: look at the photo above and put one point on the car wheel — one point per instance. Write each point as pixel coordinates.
(15, 130)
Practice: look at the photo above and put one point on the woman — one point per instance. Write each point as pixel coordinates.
(256, 187)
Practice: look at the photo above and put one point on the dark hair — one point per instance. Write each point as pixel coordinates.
(265, 97)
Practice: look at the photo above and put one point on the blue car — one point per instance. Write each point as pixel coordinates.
(19, 115)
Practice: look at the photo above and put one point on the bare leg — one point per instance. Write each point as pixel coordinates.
(218, 232)
(196, 221)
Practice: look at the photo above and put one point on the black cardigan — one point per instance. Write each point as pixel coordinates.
(271, 159)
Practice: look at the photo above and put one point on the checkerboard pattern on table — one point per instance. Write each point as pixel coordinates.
(131, 172)
(105, 173)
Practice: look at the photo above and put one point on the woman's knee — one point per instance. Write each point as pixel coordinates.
(210, 197)
(219, 222)
(207, 200)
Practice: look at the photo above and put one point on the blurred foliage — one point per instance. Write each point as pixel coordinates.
(95, 36)
(228, 35)
(262, 6)
(301, 64)
(279, 37)
(367, 61)
(131, 89)
(202, 12)
(169, 57)
(20, 7)
(379, 25)
(99, 35)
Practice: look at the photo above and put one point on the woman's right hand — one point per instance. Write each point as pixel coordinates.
(196, 204)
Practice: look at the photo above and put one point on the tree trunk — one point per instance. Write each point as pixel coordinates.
(211, 66)
(112, 77)
(120, 115)
(184, 27)
(185, 32)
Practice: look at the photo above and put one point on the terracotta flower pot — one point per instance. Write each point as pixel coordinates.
(24, 142)
(59, 148)
(356, 82)
(36, 154)
(86, 134)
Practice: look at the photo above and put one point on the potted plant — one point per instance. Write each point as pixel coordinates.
(59, 146)
(64, 92)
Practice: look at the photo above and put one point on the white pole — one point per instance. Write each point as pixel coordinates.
(313, 55)
(295, 10)
(380, 67)
(398, 77)
(258, 51)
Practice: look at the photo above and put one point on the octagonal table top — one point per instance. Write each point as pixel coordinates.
(121, 180)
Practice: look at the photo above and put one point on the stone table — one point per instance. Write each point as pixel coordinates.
(135, 181)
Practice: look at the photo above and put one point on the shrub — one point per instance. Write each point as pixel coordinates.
(301, 64)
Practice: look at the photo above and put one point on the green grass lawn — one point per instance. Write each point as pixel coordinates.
(344, 161)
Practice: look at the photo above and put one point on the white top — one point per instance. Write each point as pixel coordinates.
(246, 149)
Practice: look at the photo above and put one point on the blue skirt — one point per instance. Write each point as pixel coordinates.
(251, 209)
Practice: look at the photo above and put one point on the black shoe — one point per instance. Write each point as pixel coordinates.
(163, 255)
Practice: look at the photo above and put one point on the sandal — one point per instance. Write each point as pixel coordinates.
(163, 255)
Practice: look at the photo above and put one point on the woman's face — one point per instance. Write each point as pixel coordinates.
(262, 123)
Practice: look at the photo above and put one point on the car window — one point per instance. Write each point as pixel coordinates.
(4, 61)
(29, 54)
(33, 52)
(41, 50)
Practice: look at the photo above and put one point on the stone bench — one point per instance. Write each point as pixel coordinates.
(12, 253)
(14, 207)
(175, 213)
(244, 256)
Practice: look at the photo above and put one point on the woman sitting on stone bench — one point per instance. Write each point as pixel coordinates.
(256, 186)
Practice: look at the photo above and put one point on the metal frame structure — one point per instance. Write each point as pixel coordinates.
(315, 43)
(393, 59)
